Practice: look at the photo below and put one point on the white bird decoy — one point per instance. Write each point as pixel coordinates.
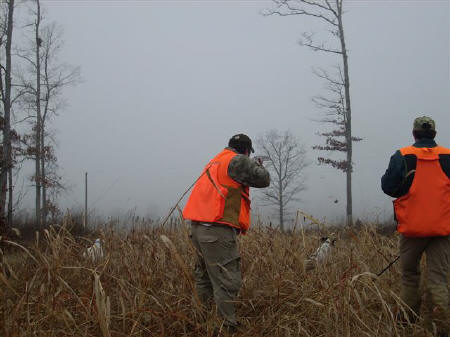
(95, 252)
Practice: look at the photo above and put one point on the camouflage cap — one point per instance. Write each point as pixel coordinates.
(241, 139)
(424, 123)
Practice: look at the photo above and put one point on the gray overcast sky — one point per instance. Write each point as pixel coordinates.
(166, 83)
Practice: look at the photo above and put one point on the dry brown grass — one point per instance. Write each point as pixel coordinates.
(144, 287)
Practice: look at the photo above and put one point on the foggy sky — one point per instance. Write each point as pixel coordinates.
(167, 83)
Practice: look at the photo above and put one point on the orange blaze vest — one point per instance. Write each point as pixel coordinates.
(217, 198)
(425, 209)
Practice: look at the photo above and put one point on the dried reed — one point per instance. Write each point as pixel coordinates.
(144, 286)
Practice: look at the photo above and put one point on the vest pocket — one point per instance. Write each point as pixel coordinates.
(244, 214)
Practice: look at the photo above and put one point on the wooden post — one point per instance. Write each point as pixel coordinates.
(85, 200)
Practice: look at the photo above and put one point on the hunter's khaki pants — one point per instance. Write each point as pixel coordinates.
(437, 251)
(217, 269)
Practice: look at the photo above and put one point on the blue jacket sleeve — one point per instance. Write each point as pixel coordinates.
(393, 177)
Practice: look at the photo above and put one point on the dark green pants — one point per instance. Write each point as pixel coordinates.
(437, 250)
(217, 268)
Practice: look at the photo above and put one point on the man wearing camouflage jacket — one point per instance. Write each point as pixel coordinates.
(419, 177)
(219, 210)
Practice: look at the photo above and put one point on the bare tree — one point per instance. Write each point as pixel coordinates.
(32, 99)
(286, 160)
(44, 82)
(338, 107)
(5, 91)
(38, 177)
(56, 76)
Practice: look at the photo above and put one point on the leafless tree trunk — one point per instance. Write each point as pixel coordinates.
(10, 196)
(281, 205)
(43, 180)
(6, 100)
(38, 177)
(286, 161)
(331, 13)
(348, 126)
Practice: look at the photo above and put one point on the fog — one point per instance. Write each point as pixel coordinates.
(167, 83)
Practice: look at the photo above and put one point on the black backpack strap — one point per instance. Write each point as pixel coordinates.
(444, 160)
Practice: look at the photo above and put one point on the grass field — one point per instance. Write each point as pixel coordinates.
(144, 287)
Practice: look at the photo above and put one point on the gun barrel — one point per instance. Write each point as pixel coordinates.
(262, 158)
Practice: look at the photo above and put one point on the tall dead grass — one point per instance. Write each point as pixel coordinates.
(144, 287)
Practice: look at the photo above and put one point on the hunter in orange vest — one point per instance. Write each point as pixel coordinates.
(219, 210)
(419, 177)
(217, 198)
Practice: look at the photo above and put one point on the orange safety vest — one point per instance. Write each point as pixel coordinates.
(425, 209)
(217, 198)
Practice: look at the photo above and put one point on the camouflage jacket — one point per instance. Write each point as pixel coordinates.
(247, 171)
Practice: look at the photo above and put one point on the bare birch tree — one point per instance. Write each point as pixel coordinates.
(286, 160)
(5, 91)
(338, 107)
